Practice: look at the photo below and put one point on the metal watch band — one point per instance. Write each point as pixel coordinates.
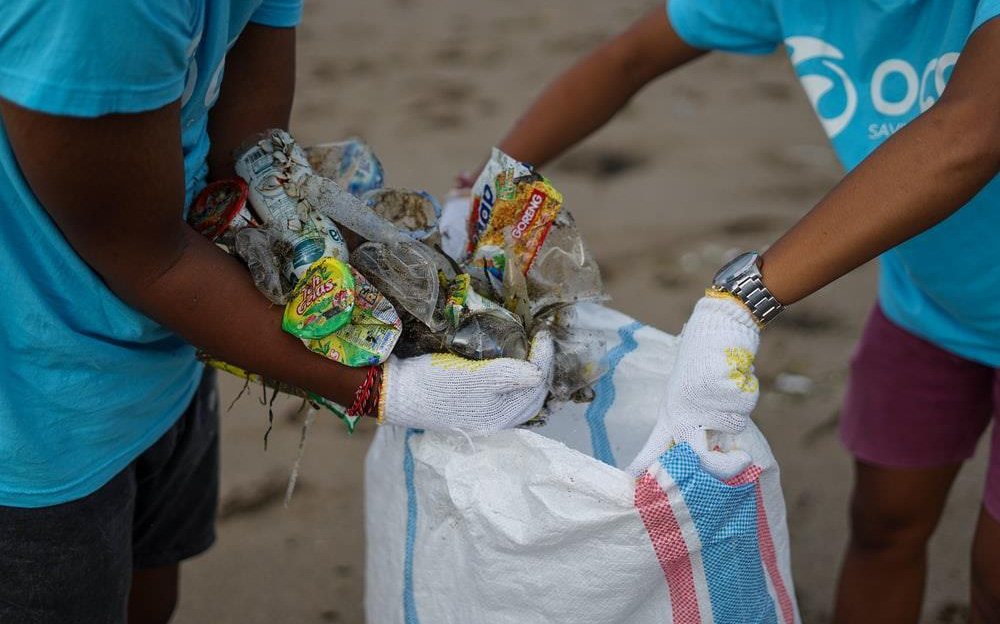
(751, 291)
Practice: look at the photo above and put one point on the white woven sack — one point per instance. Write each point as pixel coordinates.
(541, 526)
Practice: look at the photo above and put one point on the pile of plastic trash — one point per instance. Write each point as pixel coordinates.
(361, 271)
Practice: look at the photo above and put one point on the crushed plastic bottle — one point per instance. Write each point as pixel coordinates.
(489, 334)
(274, 166)
(330, 199)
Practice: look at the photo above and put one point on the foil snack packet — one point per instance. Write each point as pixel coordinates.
(371, 335)
(495, 182)
(529, 212)
(323, 300)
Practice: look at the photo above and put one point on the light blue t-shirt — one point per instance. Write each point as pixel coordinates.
(869, 67)
(86, 382)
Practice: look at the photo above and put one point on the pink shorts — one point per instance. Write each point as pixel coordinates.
(911, 404)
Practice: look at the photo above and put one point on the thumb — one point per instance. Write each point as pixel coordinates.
(512, 375)
(720, 464)
(543, 350)
(656, 445)
(535, 373)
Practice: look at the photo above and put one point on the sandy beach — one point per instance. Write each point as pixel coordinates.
(724, 154)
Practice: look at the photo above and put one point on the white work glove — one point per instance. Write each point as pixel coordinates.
(441, 391)
(712, 386)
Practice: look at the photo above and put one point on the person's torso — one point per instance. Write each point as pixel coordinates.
(86, 381)
(869, 67)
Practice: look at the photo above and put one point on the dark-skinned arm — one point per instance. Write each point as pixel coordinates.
(114, 186)
(591, 92)
(256, 94)
(916, 179)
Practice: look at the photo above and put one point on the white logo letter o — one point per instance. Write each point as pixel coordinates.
(895, 66)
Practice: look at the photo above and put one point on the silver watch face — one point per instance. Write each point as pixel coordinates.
(739, 267)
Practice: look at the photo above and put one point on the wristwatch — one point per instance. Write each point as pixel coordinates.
(741, 278)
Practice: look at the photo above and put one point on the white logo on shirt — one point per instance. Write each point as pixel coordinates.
(918, 88)
(816, 85)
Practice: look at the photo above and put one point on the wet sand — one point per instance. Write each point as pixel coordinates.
(724, 154)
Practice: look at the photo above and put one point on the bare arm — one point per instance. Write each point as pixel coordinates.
(114, 186)
(589, 94)
(916, 179)
(256, 93)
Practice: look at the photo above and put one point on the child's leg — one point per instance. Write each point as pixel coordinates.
(893, 513)
(153, 595)
(913, 413)
(176, 498)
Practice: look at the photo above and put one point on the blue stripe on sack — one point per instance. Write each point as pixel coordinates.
(604, 391)
(409, 605)
(725, 517)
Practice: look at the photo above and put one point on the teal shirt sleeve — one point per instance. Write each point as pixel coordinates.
(741, 26)
(278, 13)
(92, 57)
(987, 10)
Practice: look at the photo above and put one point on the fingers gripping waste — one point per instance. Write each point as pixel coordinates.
(396, 292)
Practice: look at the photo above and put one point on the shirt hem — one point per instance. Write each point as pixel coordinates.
(93, 482)
(277, 18)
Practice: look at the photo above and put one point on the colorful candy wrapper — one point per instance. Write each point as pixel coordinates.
(351, 164)
(322, 302)
(220, 207)
(495, 181)
(370, 336)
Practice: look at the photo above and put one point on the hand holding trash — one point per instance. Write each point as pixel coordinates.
(442, 391)
(712, 386)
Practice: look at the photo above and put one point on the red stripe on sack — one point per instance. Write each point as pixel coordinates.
(671, 550)
(771, 561)
(766, 544)
(751, 474)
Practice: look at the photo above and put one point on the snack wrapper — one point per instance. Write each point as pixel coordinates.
(529, 212)
(370, 336)
(323, 300)
(495, 182)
